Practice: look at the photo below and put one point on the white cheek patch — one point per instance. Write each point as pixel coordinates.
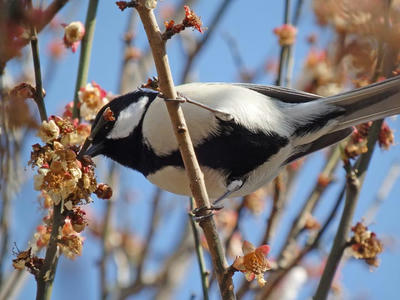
(128, 119)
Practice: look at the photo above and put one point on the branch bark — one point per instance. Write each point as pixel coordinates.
(186, 148)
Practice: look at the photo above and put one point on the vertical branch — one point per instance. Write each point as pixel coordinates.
(282, 272)
(283, 58)
(86, 50)
(308, 207)
(106, 230)
(199, 254)
(355, 180)
(39, 95)
(186, 148)
(277, 206)
(45, 278)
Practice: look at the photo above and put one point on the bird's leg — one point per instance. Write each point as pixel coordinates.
(232, 187)
(218, 113)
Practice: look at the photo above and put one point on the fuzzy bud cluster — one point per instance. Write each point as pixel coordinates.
(365, 245)
(357, 143)
(286, 34)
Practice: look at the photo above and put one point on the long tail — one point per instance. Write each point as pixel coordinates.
(369, 103)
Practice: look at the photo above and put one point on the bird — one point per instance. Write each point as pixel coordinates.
(243, 134)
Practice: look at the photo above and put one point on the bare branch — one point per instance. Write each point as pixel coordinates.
(86, 51)
(186, 147)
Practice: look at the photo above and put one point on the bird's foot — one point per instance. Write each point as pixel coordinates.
(201, 213)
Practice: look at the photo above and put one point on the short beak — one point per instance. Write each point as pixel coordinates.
(94, 150)
(91, 149)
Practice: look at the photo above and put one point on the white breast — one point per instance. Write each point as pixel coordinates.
(176, 181)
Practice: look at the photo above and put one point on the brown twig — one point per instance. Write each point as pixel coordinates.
(199, 253)
(199, 46)
(277, 207)
(47, 272)
(39, 95)
(192, 167)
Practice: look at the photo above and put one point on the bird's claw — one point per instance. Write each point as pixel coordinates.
(201, 213)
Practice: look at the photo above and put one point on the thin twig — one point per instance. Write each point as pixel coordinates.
(297, 12)
(284, 55)
(199, 46)
(86, 51)
(239, 213)
(45, 277)
(277, 207)
(150, 233)
(354, 182)
(280, 273)
(308, 207)
(39, 95)
(356, 177)
(47, 272)
(192, 167)
(106, 231)
(199, 253)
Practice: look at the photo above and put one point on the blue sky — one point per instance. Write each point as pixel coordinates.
(251, 24)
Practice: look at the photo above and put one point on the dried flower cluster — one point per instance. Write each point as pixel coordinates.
(60, 174)
(357, 143)
(92, 98)
(73, 34)
(25, 259)
(62, 178)
(191, 20)
(70, 241)
(254, 262)
(365, 245)
(286, 34)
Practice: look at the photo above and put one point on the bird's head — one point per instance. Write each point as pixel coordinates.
(116, 135)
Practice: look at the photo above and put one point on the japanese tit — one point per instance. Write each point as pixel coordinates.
(245, 137)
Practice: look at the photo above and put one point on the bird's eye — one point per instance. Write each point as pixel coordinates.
(107, 127)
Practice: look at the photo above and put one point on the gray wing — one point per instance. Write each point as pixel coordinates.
(281, 93)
